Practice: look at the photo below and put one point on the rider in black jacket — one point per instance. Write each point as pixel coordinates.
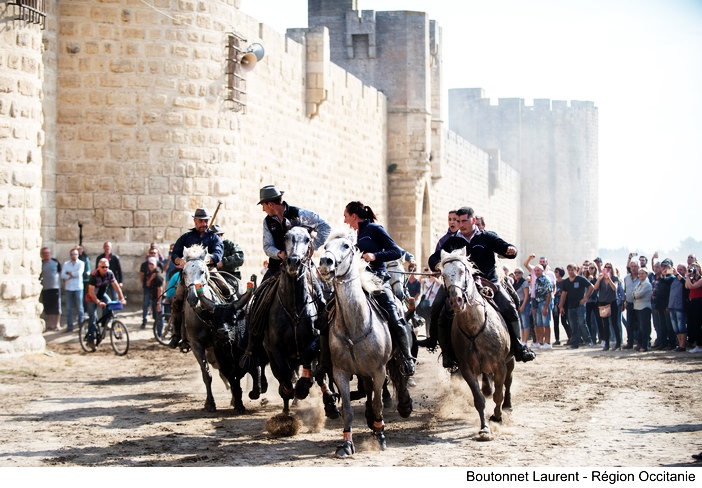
(481, 247)
(378, 248)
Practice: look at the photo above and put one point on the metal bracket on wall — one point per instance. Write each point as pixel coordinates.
(30, 11)
(235, 96)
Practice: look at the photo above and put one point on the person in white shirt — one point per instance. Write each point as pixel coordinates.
(72, 275)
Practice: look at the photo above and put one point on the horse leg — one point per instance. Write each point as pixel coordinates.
(237, 394)
(478, 399)
(255, 392)
(328, 398)
(399, 381)
(360, 391)
(378, 426)
(346, 449)
(507, 403)
(283, 373)
(498, 395)
(369, 413)
(387, 397)
(199, 353)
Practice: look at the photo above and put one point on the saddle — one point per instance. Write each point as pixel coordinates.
(487, 290)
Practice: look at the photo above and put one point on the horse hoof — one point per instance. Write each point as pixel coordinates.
(302, 388)
(507, 406)
(381, 441)
(405, 410)
(347, 449)
(210, 407)
(485, 435)
(495, 419)
(239, 408)
(330, 409)
(255, 394)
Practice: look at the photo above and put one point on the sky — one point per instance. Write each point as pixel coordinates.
(639, 61)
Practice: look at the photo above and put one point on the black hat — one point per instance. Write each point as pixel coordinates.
(202, 214)
(217, 229)
(667, 262)
(269, 193)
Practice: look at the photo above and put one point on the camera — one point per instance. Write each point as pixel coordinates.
(691, 270)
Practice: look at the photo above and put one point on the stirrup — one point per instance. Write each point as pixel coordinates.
(175, 340)
(184, 346)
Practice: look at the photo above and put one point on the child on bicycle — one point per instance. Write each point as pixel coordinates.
(100, 280)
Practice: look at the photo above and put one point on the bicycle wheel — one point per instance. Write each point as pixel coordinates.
(166, 331)
(83, 337)
(119, 337)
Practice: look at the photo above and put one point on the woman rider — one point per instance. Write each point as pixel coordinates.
(377, 248)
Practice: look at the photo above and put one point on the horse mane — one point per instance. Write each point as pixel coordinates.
(342, 234)
(196, 251)
(457, 255)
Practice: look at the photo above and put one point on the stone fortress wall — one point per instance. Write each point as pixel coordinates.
(135, 134)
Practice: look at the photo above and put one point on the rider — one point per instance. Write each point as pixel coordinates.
(203, 235)
(377, 248)
(481, 247)
(100, 281)
(232, 256)
(275, 225)
(440, 297)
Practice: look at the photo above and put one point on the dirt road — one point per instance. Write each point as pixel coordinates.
(571, 408)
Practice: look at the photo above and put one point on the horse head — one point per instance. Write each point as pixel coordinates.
(338, 255)
(457, 273)
(397, 278)
(298, 250)
(195, 272)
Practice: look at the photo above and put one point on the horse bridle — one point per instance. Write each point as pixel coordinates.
(470, 299)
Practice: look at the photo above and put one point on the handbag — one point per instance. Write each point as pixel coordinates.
(605, 310)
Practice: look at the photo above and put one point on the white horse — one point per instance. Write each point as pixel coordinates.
(359, 339)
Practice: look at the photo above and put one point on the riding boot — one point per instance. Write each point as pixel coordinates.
(444, 337)
(177, 322)
(430, 342)
(399, 329)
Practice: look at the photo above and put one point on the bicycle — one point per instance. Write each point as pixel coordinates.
(119, 335)
(164, 335)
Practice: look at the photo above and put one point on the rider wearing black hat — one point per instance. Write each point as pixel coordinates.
(207, 238)
(275, 225)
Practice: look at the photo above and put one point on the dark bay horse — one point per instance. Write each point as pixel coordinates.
(290, 339)
(210, 348)
(480, 339)
(359, 340)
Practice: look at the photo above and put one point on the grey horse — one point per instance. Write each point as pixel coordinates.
(480, 339)
(201, 299)
(359, 340)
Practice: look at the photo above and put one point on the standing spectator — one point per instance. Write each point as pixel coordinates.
(154, 283)
(676, 306)
(159, 255)
(146, 291)
(543, 289)
(87, 269)
(606, 286)
(414, 286)
(72, 274)
(576, 291)
(50, 278)
(659, 343)
(631, 281)
(694, 317)
(642, 306)
(522, 286)
(233, 256)
(115, 267)
(592, 313)
(557, 316)
(664, 282)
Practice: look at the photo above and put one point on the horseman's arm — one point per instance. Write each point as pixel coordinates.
(390, 250)
(177, 253)
(215, 248)
(500, 246)
(320, 226)
(268, 244)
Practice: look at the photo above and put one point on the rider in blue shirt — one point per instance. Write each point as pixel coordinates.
(377, 248)
(206, 237)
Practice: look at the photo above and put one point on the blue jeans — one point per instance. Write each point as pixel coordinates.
(74, 303)
(679, 320)
(145, 306)
(92, 315)
(578, 327)
(542, 321)
(525, 316)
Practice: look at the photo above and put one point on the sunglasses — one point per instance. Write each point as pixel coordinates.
(102, 267)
